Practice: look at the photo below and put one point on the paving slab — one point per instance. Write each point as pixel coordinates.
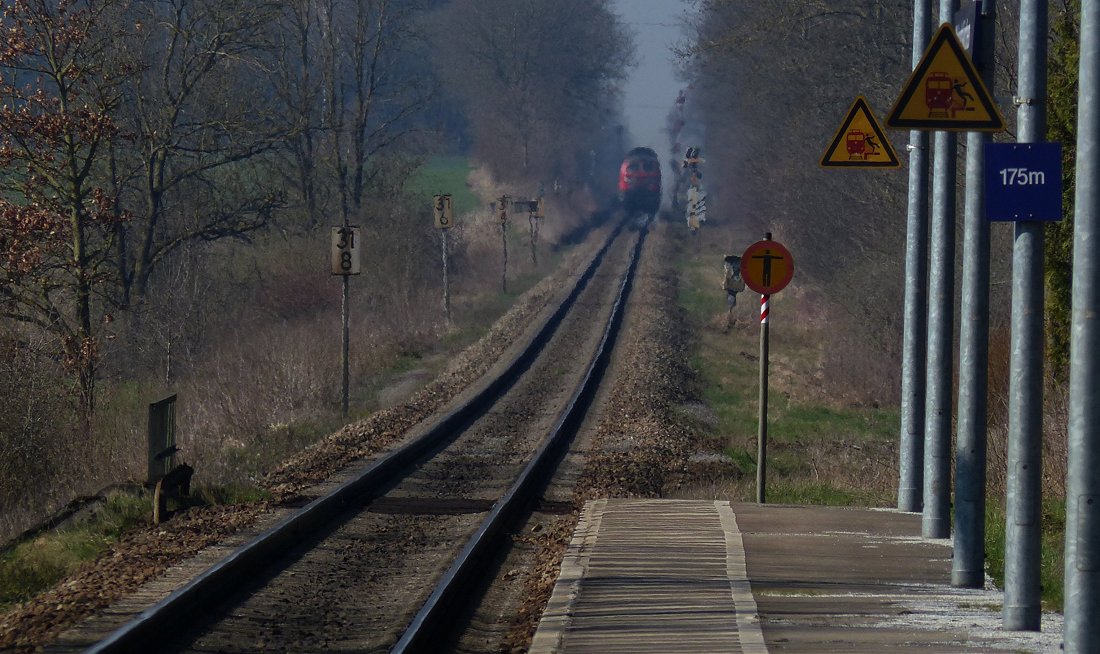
(706, 576)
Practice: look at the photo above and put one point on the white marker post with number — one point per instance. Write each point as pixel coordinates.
(345, 250)
(345, 262)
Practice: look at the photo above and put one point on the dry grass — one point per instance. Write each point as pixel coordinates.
(1055, 425)
(45, 461)
(248, 337)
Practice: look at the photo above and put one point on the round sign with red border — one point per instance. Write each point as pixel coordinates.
(767, 267)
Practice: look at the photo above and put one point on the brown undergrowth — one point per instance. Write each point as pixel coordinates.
(147, 552)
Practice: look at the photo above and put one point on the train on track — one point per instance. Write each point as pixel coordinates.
(640, 182)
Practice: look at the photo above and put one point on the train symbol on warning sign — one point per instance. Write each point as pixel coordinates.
(860, 141)
(945, 92)
(860, 145)
(945, 97)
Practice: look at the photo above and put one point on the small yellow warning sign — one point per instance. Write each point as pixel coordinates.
(945, 92)
(860, 142)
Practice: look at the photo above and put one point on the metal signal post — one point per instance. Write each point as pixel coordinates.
(534, 220)
(345, 262)
(914, 347)
(1082, 560)
(968, 552)
(1023, 547)
(936, 519)
(502, 215)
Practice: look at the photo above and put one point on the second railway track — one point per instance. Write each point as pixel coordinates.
(402, 542)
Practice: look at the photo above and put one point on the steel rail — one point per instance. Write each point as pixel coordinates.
(188, 604)
(429, 629)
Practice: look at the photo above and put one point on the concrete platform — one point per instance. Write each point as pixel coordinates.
(691, 576)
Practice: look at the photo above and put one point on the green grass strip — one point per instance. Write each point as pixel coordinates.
(1052, 538)
(37, 564)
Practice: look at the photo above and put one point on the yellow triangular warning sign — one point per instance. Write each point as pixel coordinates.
(945, 92)
(860, 142)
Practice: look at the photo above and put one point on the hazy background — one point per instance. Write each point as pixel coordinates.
(652, 88)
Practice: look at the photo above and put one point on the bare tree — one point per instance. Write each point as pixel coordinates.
(57, 98)
(298, 87)
(772, 80)
(537, 82)
(351, 77)
(199, 122)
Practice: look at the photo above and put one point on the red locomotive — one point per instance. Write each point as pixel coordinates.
(640, 181)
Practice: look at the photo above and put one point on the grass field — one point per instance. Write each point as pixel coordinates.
(38, 564)
(1051, 561)
(441, 175)
(818, 453)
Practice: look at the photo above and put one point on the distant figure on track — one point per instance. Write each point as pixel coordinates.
(732, 282)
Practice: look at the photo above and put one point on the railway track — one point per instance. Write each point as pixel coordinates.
(391, 557)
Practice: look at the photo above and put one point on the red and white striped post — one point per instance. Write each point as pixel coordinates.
(762, 425)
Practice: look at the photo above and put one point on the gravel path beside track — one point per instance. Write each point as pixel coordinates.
(635, 444)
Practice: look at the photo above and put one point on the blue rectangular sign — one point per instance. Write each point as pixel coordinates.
(1023, 181)
(965, 23)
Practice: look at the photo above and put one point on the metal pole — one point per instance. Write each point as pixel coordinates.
(533, 224)
(345, 310)
(968, 563)
(1025, 411)
(1082, 563)
(504, 267)
(911, 446)
(936, 521)
(762, 424)
(345, 338)
(446, 282)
